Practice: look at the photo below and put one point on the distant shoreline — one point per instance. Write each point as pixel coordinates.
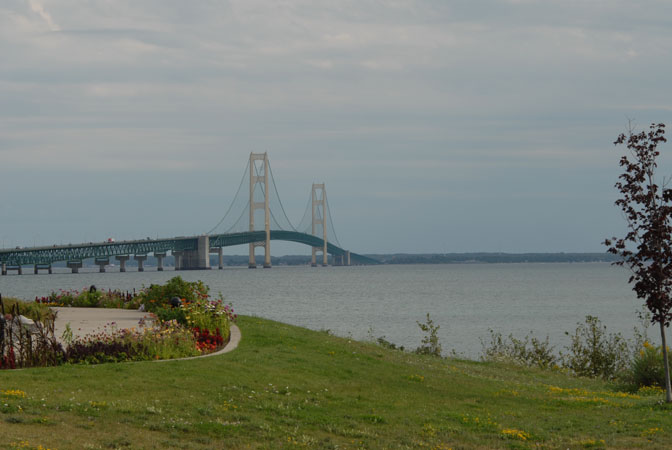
(413, 258)
(475, 258)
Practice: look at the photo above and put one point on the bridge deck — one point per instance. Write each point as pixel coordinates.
(78, 252)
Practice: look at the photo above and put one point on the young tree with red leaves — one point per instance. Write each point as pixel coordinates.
(647, 207)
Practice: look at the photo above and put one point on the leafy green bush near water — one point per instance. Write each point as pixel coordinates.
(648, 368)
(529, 351)
(159, 296)
(196, 310)
(91, 298)
(592, 353)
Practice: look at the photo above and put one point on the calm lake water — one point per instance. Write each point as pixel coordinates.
(466, 300)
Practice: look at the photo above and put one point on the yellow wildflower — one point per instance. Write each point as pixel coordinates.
(13, 393)
(513, 433)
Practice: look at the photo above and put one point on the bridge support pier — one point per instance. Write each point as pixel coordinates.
(177, 255)
(102, 262)
(75, 266)
(325, 260)
(6, 268)
(252, 264)
(220, 256)
(267, 254)
(347, 257)
(122, 262)
(43, 267)
(198, 259)
(159, 260)
(140, 259)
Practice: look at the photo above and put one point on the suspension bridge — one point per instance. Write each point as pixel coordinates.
(255, 217)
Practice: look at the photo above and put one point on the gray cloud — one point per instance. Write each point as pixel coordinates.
(490, 121)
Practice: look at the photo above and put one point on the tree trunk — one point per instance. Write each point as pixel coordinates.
(668, 389)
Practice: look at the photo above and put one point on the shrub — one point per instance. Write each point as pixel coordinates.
(90, 298)
(430, 342)
(159, 296)
(169, 313)
(594, 353)
(383, 342)
(528, 351)
(647, 367)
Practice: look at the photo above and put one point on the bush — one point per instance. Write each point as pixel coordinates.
(430, 342)
(594, 353)
(159, 296)
(528, 351)
(648, 368)
(91, 298)
(168, 314)
(383, 342)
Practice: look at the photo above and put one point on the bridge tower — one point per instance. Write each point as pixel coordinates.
(263, 181)
(319, 202)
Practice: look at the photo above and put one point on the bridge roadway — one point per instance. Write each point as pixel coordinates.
(190, 252)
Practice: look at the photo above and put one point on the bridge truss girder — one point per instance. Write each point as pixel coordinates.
(231, 239)
(79, 252)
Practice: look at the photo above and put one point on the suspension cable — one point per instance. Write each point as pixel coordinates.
(306, 212)
(278, 196)
(234, 199)
(331, 223)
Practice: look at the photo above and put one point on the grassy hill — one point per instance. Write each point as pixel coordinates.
(288, 387)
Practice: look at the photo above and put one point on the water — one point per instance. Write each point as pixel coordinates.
(466, 300)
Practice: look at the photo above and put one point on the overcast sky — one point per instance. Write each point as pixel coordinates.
(437, 126)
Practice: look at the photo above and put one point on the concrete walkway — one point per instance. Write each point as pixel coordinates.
(85, 321)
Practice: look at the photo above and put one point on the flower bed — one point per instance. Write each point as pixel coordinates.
(91, 298)
(184, 322)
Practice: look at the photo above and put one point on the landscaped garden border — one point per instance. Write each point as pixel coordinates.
(184, 322)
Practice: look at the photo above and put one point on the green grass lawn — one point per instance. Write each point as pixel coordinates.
(288, 387)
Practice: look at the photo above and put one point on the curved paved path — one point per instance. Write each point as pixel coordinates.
(85, 321)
